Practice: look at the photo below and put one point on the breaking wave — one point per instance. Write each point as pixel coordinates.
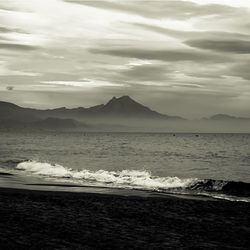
(131, 178)
(136, 179)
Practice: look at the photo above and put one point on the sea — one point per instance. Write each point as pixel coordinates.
(186, 164)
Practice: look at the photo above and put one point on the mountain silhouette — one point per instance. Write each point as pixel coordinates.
(122, 107)
(10, 111)
(127, 107)
(118, 114)
(225, 117)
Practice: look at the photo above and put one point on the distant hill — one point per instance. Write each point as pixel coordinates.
(224, 117)
(10, 111)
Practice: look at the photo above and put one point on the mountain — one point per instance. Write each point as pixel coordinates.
(118, 114)
(12, 111)
(122, 107)
(224, 117)
(126, 107)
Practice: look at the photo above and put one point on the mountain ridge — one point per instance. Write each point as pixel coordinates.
(219, 117)
(121, 107)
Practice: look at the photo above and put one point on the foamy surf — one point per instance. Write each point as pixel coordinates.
(138, 179)
(127, 178)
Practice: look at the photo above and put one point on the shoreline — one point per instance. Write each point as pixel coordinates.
(99, 190)
(36, 185)
(32, 219)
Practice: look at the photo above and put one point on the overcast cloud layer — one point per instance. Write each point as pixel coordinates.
(188, 58)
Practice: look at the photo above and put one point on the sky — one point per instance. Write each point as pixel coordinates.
(189, 58)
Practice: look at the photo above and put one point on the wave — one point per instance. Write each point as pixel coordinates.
(136, 179)
(225, 187)
(13, 162)
(130, 178)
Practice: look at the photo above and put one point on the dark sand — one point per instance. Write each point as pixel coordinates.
(61, 220)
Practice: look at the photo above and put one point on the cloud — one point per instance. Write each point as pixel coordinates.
(162, 55)
(181, 34)
(232, 46)
(147, 73)
(240, 70)
(233, 3)
(84, 83)
(4, 29)
(9, 30)
(152, 73)
(5, 71)
(160, 9)
(13, 46)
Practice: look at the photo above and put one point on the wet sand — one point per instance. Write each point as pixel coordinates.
(63, 220)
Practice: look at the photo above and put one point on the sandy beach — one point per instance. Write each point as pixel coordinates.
(63, 220)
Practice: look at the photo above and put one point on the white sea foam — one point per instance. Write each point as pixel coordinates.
(129, 179)
(125, 178)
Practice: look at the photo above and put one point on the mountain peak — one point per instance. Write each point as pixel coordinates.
(125, 105)
(122, 98)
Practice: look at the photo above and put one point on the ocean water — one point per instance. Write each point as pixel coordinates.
(215, 165)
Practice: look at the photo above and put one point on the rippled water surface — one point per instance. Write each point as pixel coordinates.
(122, 158)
